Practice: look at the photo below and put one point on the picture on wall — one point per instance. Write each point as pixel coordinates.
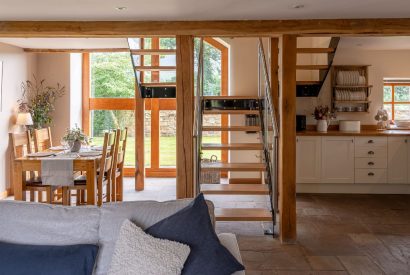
(1, 86)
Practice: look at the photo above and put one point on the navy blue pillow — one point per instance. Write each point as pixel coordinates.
(21, 259)
(192, 226)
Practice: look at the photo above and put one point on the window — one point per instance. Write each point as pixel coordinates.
(396, 100)
(109, 102)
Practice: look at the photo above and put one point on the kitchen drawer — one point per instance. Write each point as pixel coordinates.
(371, 141)
(371, 163)
(370, 152)
(371, 176)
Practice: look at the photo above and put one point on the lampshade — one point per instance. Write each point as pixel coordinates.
(24, 119)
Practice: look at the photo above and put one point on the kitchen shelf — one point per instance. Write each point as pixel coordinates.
(353, 86)
(352, 101)
(364, 88)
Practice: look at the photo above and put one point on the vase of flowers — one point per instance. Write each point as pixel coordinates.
(323, 118)
(74, 138)
(38, 99)
(381, 117)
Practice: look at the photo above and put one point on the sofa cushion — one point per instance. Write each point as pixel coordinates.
(138, 253)
(19, 259)
(192, 226)
(141, 213)
(229, 241)
(41, 224)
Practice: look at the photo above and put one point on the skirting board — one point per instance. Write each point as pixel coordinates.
(352, 188)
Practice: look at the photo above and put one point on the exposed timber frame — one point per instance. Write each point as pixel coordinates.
(311, 27)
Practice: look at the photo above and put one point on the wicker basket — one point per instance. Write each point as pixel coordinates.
(210, 177)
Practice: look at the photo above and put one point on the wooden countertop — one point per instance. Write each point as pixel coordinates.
(361, 133)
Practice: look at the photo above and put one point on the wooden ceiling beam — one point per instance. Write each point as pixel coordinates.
(32, 50)
(324, 27)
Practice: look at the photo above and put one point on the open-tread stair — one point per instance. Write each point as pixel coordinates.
(235, 189)
(230, 167)
(232, 146)
(232, 128)
(243, 214)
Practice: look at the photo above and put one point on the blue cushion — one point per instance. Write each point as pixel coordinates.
(21, 259)
(192, 226)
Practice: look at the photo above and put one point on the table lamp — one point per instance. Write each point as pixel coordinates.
(24, 119)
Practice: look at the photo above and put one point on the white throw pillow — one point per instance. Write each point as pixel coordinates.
(136, 252)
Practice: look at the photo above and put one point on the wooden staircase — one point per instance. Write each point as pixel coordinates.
(312, 88)
(155, 88)
(231, 104)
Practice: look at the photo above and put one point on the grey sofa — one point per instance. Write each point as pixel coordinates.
(41, 224)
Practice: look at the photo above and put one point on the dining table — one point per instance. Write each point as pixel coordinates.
(87, 164)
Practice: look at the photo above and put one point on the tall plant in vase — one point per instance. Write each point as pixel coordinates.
(323, 117)
(39, 100)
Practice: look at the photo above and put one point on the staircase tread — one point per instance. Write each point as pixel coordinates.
(159, 84)
(312, 67)
(153, 51)
(231, 128)
(235, 189)
(232, 146)
(155, 68)
(308, 82)
(231, 112)
(233, 166)
(316, 50)
(229, 97)
(243, 214)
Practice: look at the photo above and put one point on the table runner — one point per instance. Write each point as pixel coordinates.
(58, 170)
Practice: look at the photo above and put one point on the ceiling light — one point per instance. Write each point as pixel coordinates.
(120, 8)
(298, 6)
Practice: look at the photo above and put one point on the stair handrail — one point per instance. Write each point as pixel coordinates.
(266, 105)
(198, 116)
(268, 91)
(137, 80)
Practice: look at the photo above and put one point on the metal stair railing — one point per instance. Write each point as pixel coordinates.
(135, 63)
(270, 131)
(198, 117)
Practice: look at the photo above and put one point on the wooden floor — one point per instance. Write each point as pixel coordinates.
(337, 234)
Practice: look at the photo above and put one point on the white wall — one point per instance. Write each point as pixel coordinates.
(18, 66)
(55, 68)
(387, 63)
(243, 81)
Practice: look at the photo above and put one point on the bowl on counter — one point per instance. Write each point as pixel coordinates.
(349, 126)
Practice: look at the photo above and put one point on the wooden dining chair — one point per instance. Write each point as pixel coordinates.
(21, 146)
(103, 176)
(42, 139)
(117, 174)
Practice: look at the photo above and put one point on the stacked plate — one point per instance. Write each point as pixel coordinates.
(348, 95)
(350, 78)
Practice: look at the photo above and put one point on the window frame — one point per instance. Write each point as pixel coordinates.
(155, 105)
(393, 102)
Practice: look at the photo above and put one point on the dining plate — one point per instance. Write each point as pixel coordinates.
(89, 154)
(40, 154)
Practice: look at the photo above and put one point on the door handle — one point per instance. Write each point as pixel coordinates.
(370, 153)
(370, 141)
(371, 163)
(371, 174)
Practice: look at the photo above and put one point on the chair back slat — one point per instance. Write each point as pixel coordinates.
(42, 139)
(21, 143)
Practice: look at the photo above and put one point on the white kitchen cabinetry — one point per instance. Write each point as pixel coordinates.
(308, 159)
(397, 157)
(337, 159)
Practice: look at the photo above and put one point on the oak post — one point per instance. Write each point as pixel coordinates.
(287, 142)
(185, 116)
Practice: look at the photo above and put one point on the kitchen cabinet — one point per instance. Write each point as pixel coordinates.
(308, 159)
(337, 159)
(397, 159)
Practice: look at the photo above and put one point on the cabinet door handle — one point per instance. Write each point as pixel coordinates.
(371, 163)
(370, 153)
(371, 174)
(370, 141)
